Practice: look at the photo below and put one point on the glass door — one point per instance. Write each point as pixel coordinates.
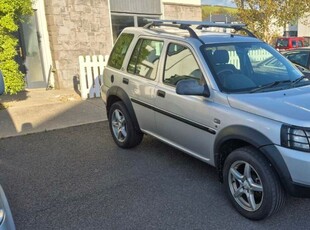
(31, 39)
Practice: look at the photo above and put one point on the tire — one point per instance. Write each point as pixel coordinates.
(121, 126)
(251, 184)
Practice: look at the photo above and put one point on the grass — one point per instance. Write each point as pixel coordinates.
(207, 10)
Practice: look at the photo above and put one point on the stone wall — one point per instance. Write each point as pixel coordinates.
(182, 12)
(76, 27)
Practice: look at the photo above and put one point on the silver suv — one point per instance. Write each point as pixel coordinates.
(229, 100)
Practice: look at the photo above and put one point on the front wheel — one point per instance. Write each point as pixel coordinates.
(251, 184)
(122, 127)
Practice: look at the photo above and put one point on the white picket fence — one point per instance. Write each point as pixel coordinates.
(91, 75)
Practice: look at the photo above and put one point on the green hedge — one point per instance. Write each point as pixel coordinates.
(12, 13)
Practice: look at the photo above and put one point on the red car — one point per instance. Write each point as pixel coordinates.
(287, 43)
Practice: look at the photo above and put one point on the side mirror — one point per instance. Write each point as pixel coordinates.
(191, 87)
(1, 83)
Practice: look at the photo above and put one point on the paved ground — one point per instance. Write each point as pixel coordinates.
(39, 110)
(76, 178)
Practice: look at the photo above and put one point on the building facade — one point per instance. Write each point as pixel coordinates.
(62, 30)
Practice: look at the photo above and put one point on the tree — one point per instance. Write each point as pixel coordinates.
(265, 16)
(12, 13)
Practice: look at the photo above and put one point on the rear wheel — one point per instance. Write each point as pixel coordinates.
(251, 184)
(122, 128)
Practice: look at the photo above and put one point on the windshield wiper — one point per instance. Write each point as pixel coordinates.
(296, 81)
(270, 85)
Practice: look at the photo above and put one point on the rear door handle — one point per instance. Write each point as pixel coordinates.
(125, 81)
(161, 93)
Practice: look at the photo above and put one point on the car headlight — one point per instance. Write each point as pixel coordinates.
(295, 137)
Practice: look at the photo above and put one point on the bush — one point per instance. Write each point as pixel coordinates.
(11, 14)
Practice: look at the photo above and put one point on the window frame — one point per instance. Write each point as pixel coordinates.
(165, 53)
(142, 39)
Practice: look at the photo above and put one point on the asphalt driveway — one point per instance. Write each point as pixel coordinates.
(76, 178)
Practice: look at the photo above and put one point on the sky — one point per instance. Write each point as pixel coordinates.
(219, 2)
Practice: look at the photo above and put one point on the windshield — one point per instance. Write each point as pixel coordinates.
(247, 67)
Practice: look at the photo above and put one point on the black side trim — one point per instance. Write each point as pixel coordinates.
(186, 121)
(243, 133)
(234, 134)
(277, 161)
(299, 190)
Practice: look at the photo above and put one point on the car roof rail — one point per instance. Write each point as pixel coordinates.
(200, 25)
(183, 25)
(236, 27)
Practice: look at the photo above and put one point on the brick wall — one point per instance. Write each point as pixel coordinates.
(182, 12)
(76, 27)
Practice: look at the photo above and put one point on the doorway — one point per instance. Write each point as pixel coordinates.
(31, 54)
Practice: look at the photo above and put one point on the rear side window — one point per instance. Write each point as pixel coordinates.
(119, 51)
(145, 58)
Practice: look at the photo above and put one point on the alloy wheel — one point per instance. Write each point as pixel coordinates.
(119, 125)
(245, 186)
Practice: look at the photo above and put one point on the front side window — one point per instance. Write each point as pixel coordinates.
(145, 58)
(180, 64)
(249, 67)
(119, 51)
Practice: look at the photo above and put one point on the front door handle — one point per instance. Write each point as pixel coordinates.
(161, 93)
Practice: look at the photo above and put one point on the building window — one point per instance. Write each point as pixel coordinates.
(121, 21)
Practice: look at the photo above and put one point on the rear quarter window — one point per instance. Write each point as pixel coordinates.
(119, 51)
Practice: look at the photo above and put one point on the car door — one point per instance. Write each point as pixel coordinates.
(142, 80)
(183, 121)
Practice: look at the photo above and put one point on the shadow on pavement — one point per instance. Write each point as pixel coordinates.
(38, 111)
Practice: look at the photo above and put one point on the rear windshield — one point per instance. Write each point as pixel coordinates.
(282, 43)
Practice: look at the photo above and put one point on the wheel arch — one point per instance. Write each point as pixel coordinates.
(238, 136)
(115, 94)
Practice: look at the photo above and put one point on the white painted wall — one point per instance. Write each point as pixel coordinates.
(46, 55)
